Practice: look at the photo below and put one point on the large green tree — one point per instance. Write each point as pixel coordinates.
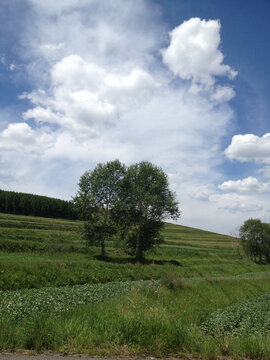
(97, 196)
(145, 202)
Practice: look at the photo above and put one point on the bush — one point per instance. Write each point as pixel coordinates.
(172, 281)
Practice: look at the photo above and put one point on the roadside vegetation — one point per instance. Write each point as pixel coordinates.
(193, 295)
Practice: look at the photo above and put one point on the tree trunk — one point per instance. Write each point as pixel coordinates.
(102, 248)
(139, 251)
(103, 236)
(238, 250)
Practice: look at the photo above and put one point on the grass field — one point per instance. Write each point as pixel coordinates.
(194, 295)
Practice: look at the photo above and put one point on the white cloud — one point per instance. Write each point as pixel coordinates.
(136, 80)
(12, 67)
(237, 206)
(21, 137)
(51, 7)
(42, 115)
(223, 94)
(249, 147)
(100, 92)
(115, 33)
(51, 47)
(247, 185)
(85, 97)
(3, 58)
(194, 53)
(202, 192)
(36, 97)
(75, 73)
(6, 178)
(239, 203)
(265, 171)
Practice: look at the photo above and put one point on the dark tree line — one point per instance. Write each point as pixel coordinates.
(28, 204)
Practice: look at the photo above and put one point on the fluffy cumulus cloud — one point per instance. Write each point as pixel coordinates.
(249, 147)
(85, 98)
(21, 137)
(100, 92)
(194, 52)
(248, 194)
(247, 185)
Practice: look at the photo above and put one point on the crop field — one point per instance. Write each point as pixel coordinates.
(196, 295)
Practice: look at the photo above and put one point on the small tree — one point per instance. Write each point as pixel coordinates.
(145, 202)
(255, 239)
(97, 195)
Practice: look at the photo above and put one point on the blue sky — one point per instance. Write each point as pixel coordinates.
(183, 84)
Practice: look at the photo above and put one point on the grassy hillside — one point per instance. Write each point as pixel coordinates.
(56, 295)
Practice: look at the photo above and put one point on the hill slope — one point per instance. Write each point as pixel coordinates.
(27, 233)
(64, 299)
(37, 252)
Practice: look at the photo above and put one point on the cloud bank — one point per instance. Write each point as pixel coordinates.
(106, 84)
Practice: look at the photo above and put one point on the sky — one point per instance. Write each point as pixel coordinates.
(184, 84)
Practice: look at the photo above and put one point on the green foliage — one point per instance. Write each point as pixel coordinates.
(97, 195)
(96, 230)
(172, 281)
(28, 204)
(242, 318)
(145, 201)
(150, 320)
(149, 236)
(255, 239)
(132, 202)
(145, 190)
(19, 304)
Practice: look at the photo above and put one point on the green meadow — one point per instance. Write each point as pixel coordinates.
(196, 295)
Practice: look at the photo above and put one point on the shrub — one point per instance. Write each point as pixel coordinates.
(172, 281)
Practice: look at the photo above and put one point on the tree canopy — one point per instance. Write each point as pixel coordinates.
(146, 201)
(132, 202)
(97, 196)
(255, 239)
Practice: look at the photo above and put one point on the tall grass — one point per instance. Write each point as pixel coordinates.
(26, 270)
(149, 320)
